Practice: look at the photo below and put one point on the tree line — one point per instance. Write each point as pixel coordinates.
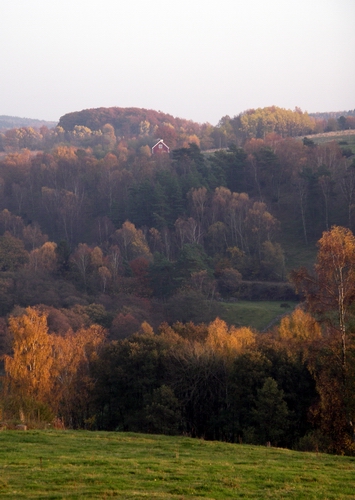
(292, 386)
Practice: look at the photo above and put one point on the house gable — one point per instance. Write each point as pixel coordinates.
(160, 147)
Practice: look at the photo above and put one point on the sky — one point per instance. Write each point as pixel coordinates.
(193, 59)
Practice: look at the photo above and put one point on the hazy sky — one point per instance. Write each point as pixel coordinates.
(191, 58)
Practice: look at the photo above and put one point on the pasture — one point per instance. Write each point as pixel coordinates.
(255, 314)
(80, 464)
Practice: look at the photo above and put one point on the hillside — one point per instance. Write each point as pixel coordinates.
(10, 122)
(94, 465)
(132, 121)
(129, 261)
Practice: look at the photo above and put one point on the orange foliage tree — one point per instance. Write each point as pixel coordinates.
(28, 371)
(48, 369)
(73, 354)
(297, 331)
(332, 287)
(228, 341)
(330, 293)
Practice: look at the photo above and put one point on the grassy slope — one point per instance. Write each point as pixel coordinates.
(257, 315)
(340, 135)
(68, 464)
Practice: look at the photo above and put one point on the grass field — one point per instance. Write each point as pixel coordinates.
(81, 465)
(345, 141)
(257, 315)
(346, 138)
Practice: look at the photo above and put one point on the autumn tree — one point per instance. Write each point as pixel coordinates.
(105, 276)
(228, 341)
(48, 369)
(297, 331)
(72, 384)
(187, 231)
(231, 209)
(28, 370)
(131, 241)
(260, 225)
(272, 261)
(44, 258)
(332, 287)
(123, 325)
(329, 292)
(33, 237)
(114, 261)
(261, 121)
(12, 224)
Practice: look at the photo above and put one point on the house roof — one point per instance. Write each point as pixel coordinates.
(161, 142)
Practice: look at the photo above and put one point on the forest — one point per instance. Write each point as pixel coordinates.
(115, 263)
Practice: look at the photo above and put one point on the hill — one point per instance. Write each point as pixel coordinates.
(129, 123)
(97, 232)
(122, 465)
(10, 122)
(126, 120)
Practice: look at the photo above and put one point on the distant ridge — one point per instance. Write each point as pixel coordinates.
(9, 122)
(325, 115)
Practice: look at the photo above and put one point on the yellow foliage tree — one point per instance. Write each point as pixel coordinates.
(72, 355)
(44, 258)
(50, 369)
(332, 287)
(132, 242)
(299, 326)
(28, 371)
(297, 331)
(228, 341)
(65, 153)
(96, 257)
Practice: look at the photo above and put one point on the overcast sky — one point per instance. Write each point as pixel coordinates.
(194, 59)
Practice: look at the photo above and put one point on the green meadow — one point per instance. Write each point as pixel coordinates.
(82, 464)
(255, 314)
(346, 139)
